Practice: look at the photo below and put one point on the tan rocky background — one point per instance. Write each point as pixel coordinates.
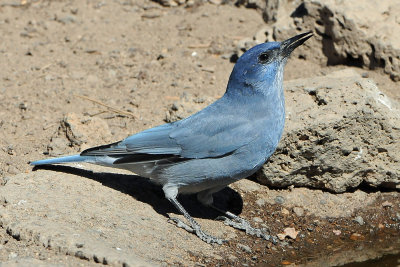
(75, 74)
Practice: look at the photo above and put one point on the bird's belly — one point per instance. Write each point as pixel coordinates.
(201, 174)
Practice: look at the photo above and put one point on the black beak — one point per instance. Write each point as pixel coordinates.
(290, 44)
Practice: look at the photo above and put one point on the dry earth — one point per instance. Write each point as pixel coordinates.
(75, 74)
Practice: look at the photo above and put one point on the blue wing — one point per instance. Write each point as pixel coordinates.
(213, 132)
(204, 136)
(154, 141)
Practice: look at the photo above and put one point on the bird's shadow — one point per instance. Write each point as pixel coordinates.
(142, 189)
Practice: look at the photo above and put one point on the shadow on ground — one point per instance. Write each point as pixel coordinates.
(142, 189)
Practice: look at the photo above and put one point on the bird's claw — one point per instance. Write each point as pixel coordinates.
(197, 230)
(242, 224)
(179, 223)
(209, 238)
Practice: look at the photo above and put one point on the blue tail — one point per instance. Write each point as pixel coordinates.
(73, 158)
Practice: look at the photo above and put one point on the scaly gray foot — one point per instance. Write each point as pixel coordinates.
(197, 230)
(241, 224)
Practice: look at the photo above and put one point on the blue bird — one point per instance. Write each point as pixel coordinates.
(225, 142)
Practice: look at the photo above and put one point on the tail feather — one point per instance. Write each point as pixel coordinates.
(73, 158)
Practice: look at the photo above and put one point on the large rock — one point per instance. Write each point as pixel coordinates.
(268, 8)
(348, 32)
(341, 131)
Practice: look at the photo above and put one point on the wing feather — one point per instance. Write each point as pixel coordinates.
(213, 132)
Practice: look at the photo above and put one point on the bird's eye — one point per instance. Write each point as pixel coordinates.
(263, 58)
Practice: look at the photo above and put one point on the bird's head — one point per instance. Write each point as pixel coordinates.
(260, 69)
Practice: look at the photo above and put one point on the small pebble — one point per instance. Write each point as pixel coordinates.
(49, 77)
(285, 211)
(67, 19)
(161, 56)
(12, 255)
(299, 211)
(23, 106)
(175, 106)
(337, 232)
(387, 204)
(281, 236)
(284, 244)
(359, 219)
(357, 237)
(279, 200)
(260, 202)
(10, 150)
(291, 232)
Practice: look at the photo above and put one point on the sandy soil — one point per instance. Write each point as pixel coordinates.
(136, 58)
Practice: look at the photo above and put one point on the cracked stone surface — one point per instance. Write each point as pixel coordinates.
(94, 220)
(346, 32)
(341, 132)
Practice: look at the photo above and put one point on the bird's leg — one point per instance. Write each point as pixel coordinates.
(233, 220)
(194, 226)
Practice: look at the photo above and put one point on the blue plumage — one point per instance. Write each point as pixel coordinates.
(227, 141)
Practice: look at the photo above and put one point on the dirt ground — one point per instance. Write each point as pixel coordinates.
(126, 63)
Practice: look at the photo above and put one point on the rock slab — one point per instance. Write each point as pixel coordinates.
(108, 220)
(347, 32)
(341, 132)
